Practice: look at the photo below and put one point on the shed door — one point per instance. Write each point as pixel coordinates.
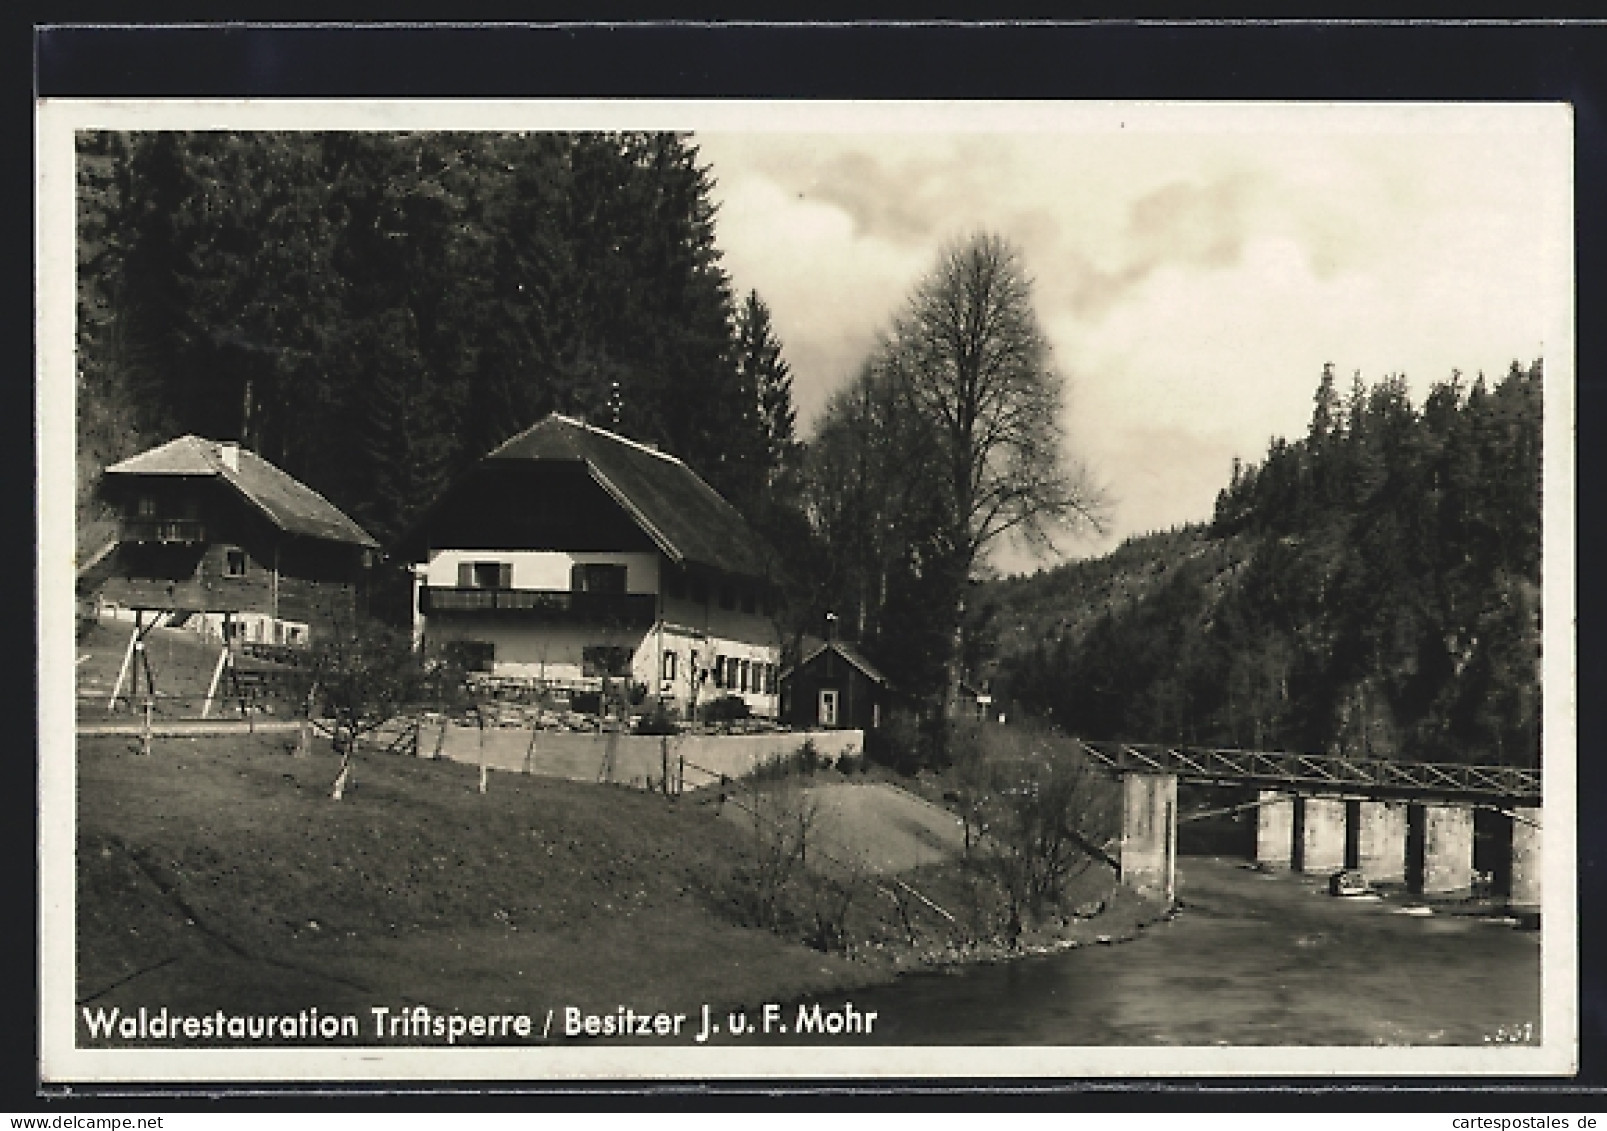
(828, 706)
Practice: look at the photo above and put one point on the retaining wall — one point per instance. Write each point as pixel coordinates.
(694, 759)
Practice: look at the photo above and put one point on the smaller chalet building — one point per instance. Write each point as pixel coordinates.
(833, 687)
(209, 527)
(571, 555)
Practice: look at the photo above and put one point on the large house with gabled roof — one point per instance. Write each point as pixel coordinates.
(211, 534)
(571, 555)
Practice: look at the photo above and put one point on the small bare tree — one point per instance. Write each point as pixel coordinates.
(364, 675)
(783, 816)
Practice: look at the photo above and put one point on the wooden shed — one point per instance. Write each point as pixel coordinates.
(833, 687)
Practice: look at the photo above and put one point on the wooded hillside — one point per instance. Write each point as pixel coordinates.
(1372, 588)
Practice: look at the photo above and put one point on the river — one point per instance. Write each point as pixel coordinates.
(1251, 959)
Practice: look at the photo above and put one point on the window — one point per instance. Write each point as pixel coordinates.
(471, 655)
(728, 599)
(769, 679)
(234, 563)
(669, 665)
(719, 671)
(605, 660)
(597, 577)
(485, 575)
(828, 706)
(146, 507)
(744, 678)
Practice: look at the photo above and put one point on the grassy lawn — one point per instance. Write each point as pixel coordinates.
(218, 874)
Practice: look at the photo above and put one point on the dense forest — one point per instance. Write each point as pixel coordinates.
(375, 311)
(1372, 588)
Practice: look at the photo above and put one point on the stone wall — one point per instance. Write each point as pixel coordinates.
(695, 760)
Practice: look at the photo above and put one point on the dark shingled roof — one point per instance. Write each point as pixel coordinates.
(685, 517)
(288, 503)
(814, 646)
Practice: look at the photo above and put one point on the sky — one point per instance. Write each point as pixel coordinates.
(1193, 270)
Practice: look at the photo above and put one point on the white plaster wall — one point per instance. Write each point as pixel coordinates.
(545, 569)
(529, 651)
(684, 641)
(727, 624)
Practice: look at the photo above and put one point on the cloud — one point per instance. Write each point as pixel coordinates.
(1180, 223)
(830, 288)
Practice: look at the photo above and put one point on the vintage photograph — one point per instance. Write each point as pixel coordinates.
(693, 590)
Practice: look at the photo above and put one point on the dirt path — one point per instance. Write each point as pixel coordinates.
(878, 826)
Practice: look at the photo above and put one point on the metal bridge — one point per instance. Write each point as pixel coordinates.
(1322, 773)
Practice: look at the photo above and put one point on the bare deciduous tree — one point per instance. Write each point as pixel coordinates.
(970, 362)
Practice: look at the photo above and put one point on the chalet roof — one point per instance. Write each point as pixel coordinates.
(686, 518)
(813, 646)
(288, 503)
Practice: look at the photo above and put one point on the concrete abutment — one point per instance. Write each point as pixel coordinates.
(1275, 829)
(1381, 841)
(1523, 892)
(1440, 849)
(1320, 837)
(1149, 834)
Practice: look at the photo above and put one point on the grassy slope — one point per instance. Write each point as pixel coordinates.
(219, 874)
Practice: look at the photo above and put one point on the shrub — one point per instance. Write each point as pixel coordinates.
(898, 743)
(1038, 813)
(726, 709)
(657, 721)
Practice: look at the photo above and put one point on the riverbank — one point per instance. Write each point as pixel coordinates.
(217, 874)
(1253, 958)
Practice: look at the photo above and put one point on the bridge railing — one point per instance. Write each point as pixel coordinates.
(1274, 769)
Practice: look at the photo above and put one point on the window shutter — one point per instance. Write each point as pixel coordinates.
(465, 575)
(505, 575)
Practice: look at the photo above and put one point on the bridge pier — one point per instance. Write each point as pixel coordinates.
(1275, 829)
(1523, 893)
(1440, 839)
(1320, 834)
(1381, 841)
(1149, 833)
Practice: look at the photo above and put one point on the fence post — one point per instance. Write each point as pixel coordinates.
(664, 762)
(480, 716)
(145, 730)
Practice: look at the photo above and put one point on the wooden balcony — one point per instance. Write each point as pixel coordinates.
(624, 610)
(170, 530)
